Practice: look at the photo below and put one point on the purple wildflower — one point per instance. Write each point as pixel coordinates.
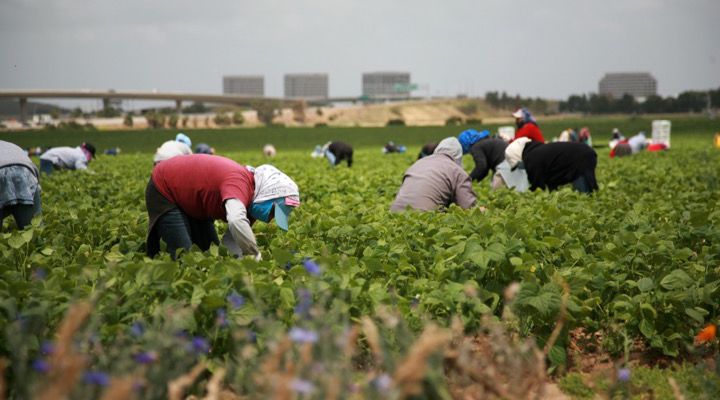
(311, 267)
(47, 347)
(39, 274)
(146, 357)
(300, 335)
(41, 366)
(236, 300)
(221, 317)
(200, 345)
(252, 337)
(137, 329)
(138, 385)
(382, 383)
(623, 374)
(303, 306)
(96, 378)
(302, 386)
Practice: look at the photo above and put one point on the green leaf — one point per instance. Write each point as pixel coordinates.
(696, 313)
(645, 284)
(287, 296)
(17, 241)
(648, 312)
(647, 328)
(677, 279)
(197, 295)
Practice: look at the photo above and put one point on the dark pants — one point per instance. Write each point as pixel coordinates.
(179, 231)
(46, 166)
(23, 213)
(583, 183)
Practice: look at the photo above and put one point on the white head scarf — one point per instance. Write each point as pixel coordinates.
(514, 151)
(271, 183)
(452, 147)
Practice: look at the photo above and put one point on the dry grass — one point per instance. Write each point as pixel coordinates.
(119, 389)
(177, 387)
(66, 365)
(412, 369)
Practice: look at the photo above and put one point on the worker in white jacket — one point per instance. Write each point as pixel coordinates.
(187, 194)
(67, 158)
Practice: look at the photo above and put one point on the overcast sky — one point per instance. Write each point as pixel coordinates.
(549, 48)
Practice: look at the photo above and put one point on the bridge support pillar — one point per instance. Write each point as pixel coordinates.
(106, 104)
(23, 109)
(178, 106)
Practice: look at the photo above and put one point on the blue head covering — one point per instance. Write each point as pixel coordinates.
(524, 115)
(183, 138)
(470, 137)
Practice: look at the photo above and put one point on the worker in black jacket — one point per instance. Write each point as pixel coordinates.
(335, 152)
(487, 152)
(552, 165)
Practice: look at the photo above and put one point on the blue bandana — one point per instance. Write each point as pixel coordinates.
(261, 211)
(470, 137)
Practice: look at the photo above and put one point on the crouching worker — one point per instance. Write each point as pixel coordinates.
(67, 158)
(487, 152)
(19, 186)
(185, 195)
(335, 152)
(436, 181)
(552, 165)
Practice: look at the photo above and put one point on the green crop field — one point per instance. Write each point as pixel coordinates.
(251, 139)
(356, 302)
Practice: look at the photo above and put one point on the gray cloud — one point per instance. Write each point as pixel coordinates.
(551, 48)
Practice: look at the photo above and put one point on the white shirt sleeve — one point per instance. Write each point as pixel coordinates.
(81, 163)
(243, 239)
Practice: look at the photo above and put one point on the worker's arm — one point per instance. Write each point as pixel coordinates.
(81, 163)
(464, 195)
(481, 165)
(239, 227)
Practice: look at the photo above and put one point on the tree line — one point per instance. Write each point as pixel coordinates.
(506, 102)
(688, 101)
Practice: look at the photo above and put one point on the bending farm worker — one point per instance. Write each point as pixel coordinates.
(487, 152)
(181, 146)
(204, 148)
(335, 152)
(19, 185)
(551, 165)
(427, 150)
(67, 158)
(436, 181)
(527, 126)
(185, 195)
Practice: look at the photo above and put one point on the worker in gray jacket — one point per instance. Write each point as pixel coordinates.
(436, 181)
(67, 158)
(19, 185)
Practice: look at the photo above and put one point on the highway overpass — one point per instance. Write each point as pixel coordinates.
(178, 97)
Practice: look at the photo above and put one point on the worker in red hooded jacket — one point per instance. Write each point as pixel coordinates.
(527, 126)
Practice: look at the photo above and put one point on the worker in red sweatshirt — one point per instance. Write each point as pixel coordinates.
(527, 126)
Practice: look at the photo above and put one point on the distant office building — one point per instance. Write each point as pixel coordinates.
(306, 86)
(638, 84)
(248, 85)
(386, 84)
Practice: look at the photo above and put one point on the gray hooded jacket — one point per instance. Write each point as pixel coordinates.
(436, 181)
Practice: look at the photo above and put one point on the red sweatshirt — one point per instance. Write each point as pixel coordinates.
(531, 131)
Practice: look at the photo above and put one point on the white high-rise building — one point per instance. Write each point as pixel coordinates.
(386, 84)
(306, 86)
(248, 85)
(638, 84)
